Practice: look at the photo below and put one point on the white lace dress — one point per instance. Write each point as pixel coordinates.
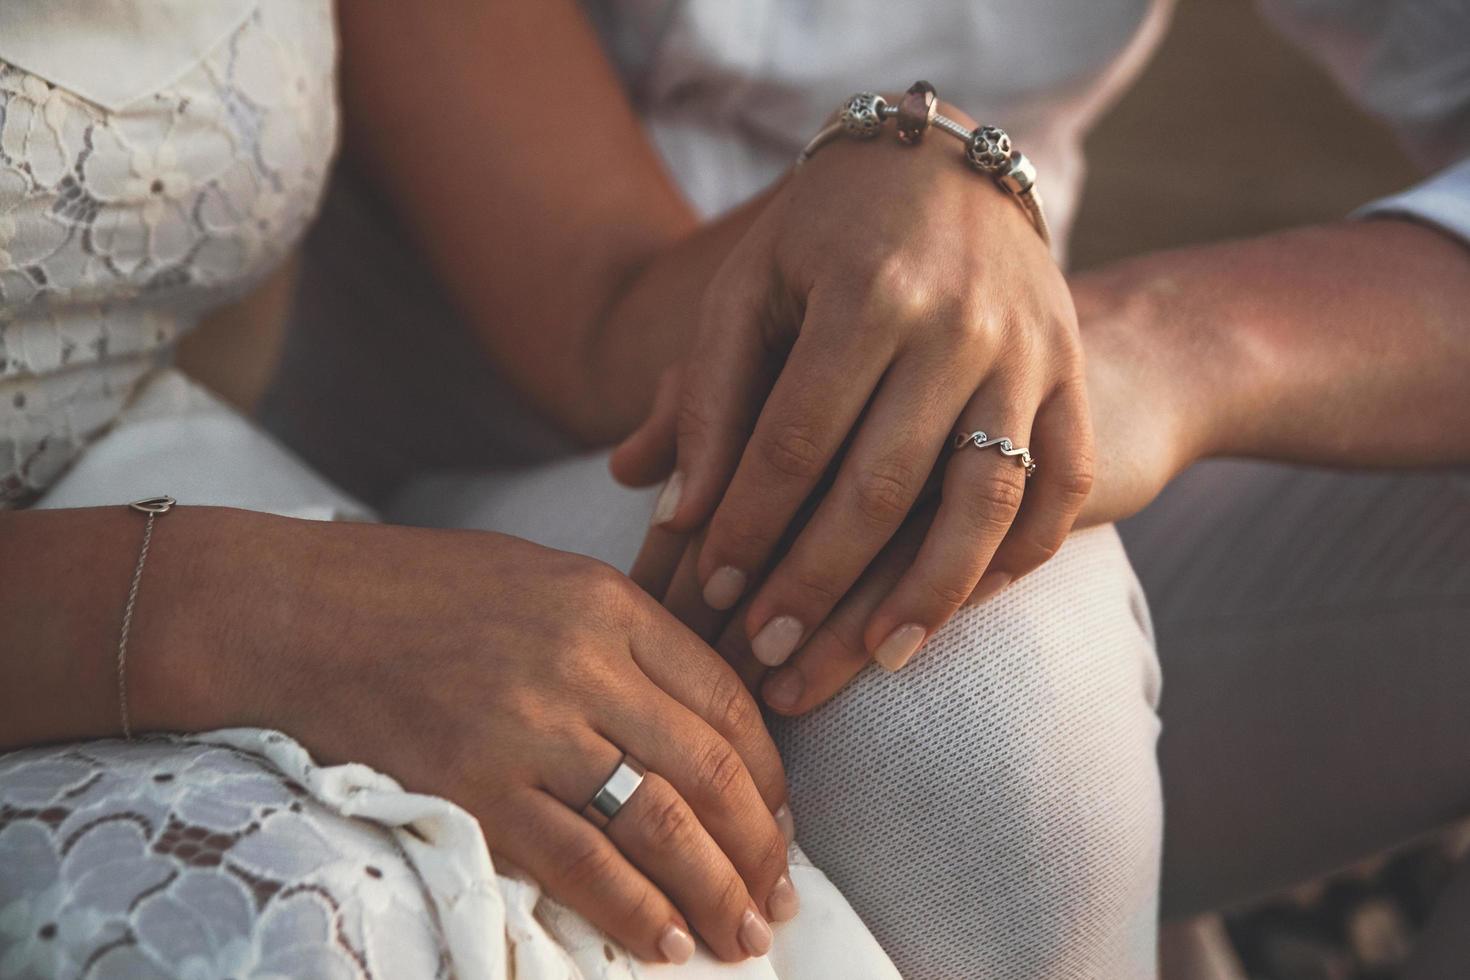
(156, 160)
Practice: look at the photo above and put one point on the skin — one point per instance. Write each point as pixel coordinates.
(588, 280)
(493, 672)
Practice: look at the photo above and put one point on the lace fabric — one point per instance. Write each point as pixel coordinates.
(120, 225)
(191, 857)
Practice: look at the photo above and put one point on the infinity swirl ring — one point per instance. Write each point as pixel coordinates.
(618, 789)
(981, 441)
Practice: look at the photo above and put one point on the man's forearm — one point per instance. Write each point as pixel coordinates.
(1345, 345)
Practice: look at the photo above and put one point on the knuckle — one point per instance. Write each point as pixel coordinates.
(885, 492)
(669, 823)
(995, 500)
(718, 769)
(1074, 482)
(588, 865)
(791, 451)
(772, 860)
(606, 589)
(732, 710)
(945, 593)
(814, 588)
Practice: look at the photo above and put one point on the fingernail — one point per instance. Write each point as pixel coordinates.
(786, 822)
(776, 640)
(724, 587)
(668, 499)
(895, 651)
(783, 690)
(676, 944)
(990, 583)
(755, 935)
(784, 903)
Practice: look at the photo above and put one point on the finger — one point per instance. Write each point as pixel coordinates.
(980, 495)
(713, 785)
(647, 454)
(683, 596)
(692, 674)
(836, 654)
(882, 475)
(822, 390)
(1054, 495)
(719, 395)
(661, 833)
(657, 560)
(581, 868)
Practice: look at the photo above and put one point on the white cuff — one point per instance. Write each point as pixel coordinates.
(1442, 201)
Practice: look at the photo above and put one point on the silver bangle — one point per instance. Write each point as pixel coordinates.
(988, 149)
(152, 507)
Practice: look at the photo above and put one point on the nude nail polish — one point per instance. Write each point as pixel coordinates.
(755, 934)
(668, 499)
(783, 690)
(990, 583)
(901, 644)
(786, 822)
(777, 640)
(724, 588)
(676, 944)
(783, 902)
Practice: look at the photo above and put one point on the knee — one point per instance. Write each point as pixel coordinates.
(1005, 781)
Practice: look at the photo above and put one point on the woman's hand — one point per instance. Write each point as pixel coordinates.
(885, 298)
(504, 676)
(1149, 425)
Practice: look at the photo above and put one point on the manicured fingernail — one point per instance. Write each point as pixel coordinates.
(777, 640)
(895, 651)
(786, 822)
(676, 944)
(668, 499)
(990, 583)
(724, 588)
(755, 935)
(784, 903)
(783, 690)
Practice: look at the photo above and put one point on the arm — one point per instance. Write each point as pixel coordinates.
(502, 137)
(412, 651)
(1339, 345)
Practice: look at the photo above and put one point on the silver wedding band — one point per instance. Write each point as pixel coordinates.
(980, 440)
(618, 789)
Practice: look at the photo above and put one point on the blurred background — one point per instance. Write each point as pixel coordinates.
(1223, 80)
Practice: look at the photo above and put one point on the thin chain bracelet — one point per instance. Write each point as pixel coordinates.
(987, 148)
(152, 507)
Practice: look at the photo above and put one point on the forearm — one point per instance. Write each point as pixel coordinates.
(202, 608)
(1346, 344)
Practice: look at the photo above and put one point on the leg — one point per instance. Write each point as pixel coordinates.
(177, 857)
(1313, 626)
(993, 809)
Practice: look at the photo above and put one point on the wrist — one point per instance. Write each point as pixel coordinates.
(214, 609)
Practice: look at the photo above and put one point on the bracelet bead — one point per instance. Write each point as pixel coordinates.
(989, 150)
(862, 116)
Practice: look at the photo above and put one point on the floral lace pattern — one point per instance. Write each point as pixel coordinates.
(176, 857)
(120, 226)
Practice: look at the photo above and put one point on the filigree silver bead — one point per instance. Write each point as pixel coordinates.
(862, 116)
(989, 150)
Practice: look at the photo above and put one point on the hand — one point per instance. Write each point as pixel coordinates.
(506, 677)
(1148, 425)
(885, 298)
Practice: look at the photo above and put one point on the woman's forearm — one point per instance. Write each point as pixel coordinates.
(64, 579)
(1346, 344)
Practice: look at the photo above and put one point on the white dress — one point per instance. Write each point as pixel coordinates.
(131, 202)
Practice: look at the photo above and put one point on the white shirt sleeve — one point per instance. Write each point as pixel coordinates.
(1407, 63)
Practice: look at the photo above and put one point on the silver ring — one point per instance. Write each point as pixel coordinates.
(980, 440)
(614, 793)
